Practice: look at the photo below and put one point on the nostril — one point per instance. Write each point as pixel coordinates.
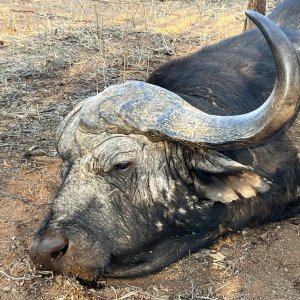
(48, 250)
(60, 253)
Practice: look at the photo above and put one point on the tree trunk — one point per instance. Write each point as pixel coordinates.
(257, 5)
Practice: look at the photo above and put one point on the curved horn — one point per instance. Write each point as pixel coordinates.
(144, 108)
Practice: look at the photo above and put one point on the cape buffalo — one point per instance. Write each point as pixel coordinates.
(155, 170)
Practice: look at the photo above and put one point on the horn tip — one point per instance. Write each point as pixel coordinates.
(251, 13)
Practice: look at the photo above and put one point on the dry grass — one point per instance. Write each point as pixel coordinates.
(101, 42)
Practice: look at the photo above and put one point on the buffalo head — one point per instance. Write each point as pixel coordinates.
(142, 181)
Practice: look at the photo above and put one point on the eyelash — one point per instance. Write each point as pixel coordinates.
(96, 168)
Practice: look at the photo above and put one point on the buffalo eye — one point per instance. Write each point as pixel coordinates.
(122, 166)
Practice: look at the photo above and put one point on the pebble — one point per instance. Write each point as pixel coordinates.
(59, 279)
(6, 289)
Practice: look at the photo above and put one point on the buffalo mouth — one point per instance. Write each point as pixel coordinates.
(158, 255)
(60, 255)
(89, 267)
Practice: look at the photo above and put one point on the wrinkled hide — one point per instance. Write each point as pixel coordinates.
(137, 194)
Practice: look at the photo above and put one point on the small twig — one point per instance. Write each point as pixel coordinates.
(19, 278)
(219, 288)
(23, 11)
(127, 295)
(39, 14)
(45, 159)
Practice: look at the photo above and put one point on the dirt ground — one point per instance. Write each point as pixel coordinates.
(54, 54)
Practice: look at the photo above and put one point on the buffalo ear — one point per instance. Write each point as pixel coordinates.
(220, 179)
